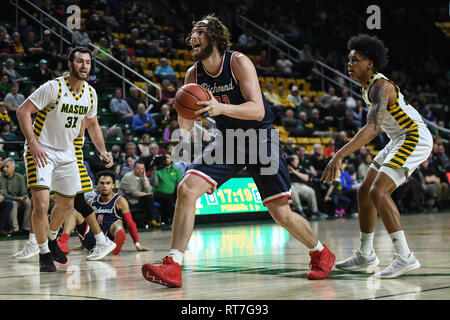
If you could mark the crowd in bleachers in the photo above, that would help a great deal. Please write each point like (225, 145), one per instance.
(313, 124)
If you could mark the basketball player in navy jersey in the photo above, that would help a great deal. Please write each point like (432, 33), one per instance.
(236, 103)
(110, 209)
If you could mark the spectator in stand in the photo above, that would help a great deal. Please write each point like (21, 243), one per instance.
(293, 125)
(318, 122)
(330, 150)
(120, 108)
(364, 166)
(131, 150)
(341, 140)
(143, 121)
(349, 186)
(336, 111)
(284, 99)
(183, 161)
(17, 49)
(263, 66)
(55, 59)
(168, 130)
(349, 101)
(9, 70)
(301, 190)
(295, 98)
(24, 28)
(5, 86)
(136, 66)
(271, 96)
(9, 136)
(165, 181)
(117, 51)
(283, 64)
(168, 91)
(144, 145)
(246, 42)
(164, 71)
(135, 187)
(310, 129)
(80, 37)
(14, 99)
(115, 152)
(134, 99)
(348, 124)
(47, 43)
(6, 207)
(427, 113)
(15, 190)
(317, 160)
(5, 45)
(137, 44)
(360, 114)
(127, 166)
(435, 186)
(42, 74)
(306, 61)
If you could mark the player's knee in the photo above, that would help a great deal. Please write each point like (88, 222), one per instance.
(363, 190)
(187, 190)
(377, 194)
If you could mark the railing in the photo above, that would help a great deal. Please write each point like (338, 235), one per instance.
(276, 43)
(62, 38)
(435, 129)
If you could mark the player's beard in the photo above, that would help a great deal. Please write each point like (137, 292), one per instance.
(77, 74)
(204, 53)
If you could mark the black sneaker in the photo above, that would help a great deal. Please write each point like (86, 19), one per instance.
(319, 215)
(46, 262)
(57, 254)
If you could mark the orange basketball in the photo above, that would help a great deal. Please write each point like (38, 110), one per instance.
(186, 100)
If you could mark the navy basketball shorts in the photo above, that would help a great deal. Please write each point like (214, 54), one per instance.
(105, 222)
(271, 176)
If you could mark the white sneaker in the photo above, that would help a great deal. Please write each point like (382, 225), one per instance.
(358, 260)
(101, 250)
(399, 266)
(28, 251)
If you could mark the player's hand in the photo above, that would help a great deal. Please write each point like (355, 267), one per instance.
(331, 171)
(141, 248)
(213, 107)
(39, 155)
(107, 157)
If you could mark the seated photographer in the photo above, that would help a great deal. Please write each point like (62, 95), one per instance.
(300, 189)
(136, 188)
(165, 178)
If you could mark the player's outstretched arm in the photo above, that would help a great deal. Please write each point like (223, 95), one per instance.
(381, 93)
(122, 205)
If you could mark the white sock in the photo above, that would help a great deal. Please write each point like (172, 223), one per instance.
(52, 234)
(366, 244)
(32, 238)
(43, 247)
(177, 256)
(100, 238)
(318, 246)
(400, 245)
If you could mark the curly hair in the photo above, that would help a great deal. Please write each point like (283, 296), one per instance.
(371, 47)
(216, 32)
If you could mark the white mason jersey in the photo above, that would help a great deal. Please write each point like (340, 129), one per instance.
(61, 112)
(402, 118)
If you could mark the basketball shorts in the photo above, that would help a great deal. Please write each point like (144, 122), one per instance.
(106, 221)
(271, 177)
(402, 155)
(61, 174)
(86, 183)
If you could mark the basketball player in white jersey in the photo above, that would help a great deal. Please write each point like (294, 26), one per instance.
(410, 144)
(61, 105)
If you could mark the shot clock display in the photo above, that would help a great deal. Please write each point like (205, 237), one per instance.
(235, 195)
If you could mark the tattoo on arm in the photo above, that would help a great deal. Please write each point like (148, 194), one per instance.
(378, 108)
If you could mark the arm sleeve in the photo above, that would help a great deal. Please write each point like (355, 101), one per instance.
(45, 95)
(131, 226)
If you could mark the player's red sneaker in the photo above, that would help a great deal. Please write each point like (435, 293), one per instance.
(321, 264)
(119, 238)
(166, 274)
(62, 243)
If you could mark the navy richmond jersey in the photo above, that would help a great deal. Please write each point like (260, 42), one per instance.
(106, 210)
(225, 88)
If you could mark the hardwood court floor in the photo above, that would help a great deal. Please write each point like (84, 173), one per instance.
(252, 260)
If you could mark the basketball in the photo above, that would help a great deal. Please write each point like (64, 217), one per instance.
(186, 100)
